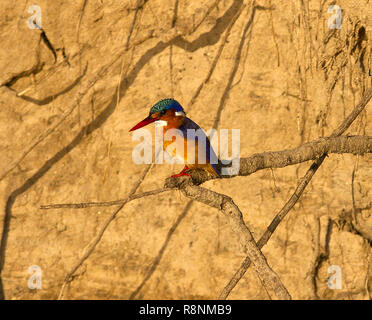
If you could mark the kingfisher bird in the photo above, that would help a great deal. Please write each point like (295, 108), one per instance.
(170, 114)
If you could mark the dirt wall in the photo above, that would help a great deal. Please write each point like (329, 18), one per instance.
(69, 93)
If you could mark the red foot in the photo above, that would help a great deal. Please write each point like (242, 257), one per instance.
(182, 173)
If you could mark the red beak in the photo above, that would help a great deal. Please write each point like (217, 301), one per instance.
(143, 123)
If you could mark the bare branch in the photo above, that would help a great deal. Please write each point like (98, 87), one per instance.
(227, 206)
(279, 159)
(296, 195)
(306, 152)
(105, 203)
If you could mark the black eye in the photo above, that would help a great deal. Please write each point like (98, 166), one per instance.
(163, 112)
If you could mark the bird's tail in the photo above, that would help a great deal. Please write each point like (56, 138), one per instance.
(216, 169)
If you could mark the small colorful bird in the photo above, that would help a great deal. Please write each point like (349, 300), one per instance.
(171, 115)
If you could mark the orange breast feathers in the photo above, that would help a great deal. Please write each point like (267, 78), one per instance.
(174, 122)
(178, 147)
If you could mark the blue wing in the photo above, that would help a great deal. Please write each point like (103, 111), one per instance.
(210, 154)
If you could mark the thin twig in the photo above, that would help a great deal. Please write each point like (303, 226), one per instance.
(92, 245)
(105, 203)
(156, 262)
